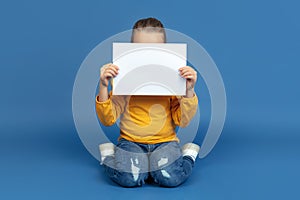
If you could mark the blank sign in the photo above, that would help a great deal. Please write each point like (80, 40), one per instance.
(149, 68)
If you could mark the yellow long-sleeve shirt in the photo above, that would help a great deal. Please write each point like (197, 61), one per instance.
(147, 119)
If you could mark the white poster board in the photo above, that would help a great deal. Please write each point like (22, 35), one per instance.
(149, 68)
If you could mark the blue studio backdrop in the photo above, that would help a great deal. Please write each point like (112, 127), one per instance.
(255, 45)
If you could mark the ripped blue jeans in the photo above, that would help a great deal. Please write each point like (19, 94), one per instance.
(134, 163)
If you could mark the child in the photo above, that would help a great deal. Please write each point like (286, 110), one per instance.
(148, 147)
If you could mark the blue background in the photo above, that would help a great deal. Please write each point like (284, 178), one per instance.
(254, 43)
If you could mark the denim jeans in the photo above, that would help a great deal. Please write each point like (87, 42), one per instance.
(134, 163)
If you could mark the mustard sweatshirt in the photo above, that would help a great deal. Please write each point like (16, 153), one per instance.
(147, 119)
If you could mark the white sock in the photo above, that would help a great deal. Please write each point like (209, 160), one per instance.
(190, 149)
(106, 149)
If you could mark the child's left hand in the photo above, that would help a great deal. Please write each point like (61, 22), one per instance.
(190, 75)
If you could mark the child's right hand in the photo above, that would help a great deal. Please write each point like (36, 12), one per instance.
(107, 72)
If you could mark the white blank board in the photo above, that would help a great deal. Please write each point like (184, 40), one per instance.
(149, 68)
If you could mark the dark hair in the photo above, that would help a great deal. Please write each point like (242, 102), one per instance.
(148, 24)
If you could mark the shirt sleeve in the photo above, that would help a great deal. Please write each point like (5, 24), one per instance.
(183, 110)
(110, 110)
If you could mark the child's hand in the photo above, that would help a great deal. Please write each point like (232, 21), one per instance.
(107, 72)
(190, 75)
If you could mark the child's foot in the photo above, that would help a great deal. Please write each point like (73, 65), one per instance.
(106, 149)
(191, 150)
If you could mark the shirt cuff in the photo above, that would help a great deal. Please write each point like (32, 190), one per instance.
(194, 98)
(102, 102)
